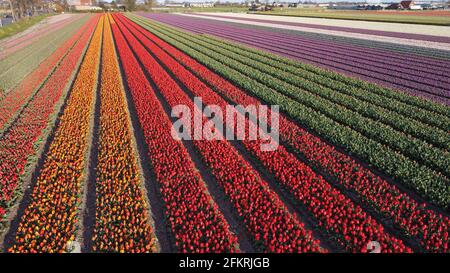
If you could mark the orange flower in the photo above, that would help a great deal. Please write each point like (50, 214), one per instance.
(58, 190)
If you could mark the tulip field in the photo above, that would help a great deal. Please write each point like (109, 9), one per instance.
(88, 156)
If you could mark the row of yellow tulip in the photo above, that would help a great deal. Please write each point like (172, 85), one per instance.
(122, 219)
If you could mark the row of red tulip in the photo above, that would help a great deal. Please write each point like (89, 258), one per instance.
(122, 220)
(329, 122)
(414, 219)
(267, 220)
(193, 218)
(336, 214)
(51, 219)
(18, 145)
(15, 99)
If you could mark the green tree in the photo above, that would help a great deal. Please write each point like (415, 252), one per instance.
(114, 5)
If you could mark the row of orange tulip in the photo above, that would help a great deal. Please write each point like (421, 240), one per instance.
(19, 95)
(419, 221)
(269, 224)
(340, 218)
(51, 219)
(194, 220)
(122, 219)
(19, 144)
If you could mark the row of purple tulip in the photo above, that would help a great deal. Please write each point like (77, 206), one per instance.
(422, 37)
(419, 79)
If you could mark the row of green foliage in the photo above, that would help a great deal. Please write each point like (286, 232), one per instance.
(19, 64)
(20, 25)
(310, 114)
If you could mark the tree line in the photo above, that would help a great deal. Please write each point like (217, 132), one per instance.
(24, 8)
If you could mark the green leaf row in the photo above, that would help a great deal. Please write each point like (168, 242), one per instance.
(416, 149)
(318, 85)
(24, 61)
(421, 179)
(367, 86)
(394, 105)
(331, 75)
